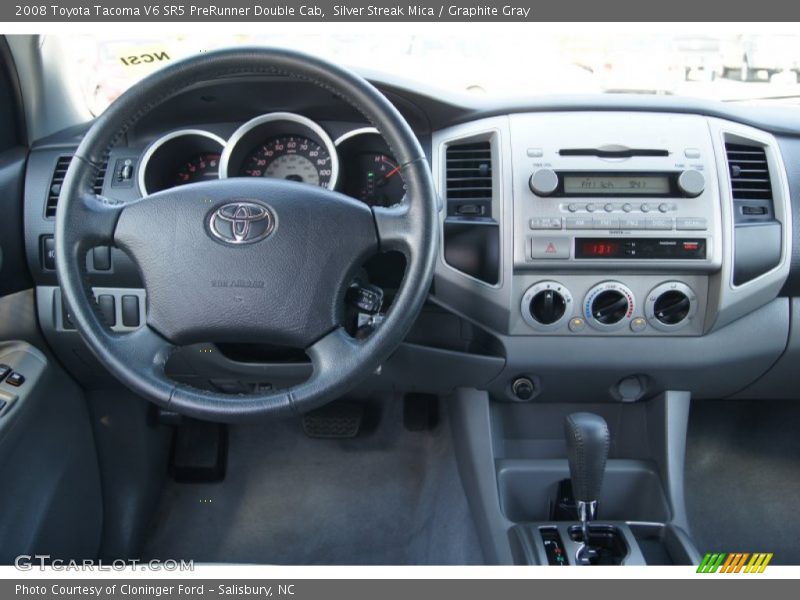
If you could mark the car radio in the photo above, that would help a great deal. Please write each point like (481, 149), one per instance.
(614, 191)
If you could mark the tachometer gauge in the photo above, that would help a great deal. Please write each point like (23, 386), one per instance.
(291, 157)
(179, 157)
(202, 167)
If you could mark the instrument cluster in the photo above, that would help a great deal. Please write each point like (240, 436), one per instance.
(280, 145)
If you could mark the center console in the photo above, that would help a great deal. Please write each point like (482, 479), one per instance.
(615, 243)
(613, 257)
(632, 195)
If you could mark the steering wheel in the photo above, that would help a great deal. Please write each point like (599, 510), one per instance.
(245, 259)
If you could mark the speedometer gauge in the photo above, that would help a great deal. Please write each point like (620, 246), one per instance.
(291, 157)
(281, 145)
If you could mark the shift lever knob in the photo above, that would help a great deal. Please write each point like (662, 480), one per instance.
(587, 450)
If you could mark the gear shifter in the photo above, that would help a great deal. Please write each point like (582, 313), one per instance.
(587, 450)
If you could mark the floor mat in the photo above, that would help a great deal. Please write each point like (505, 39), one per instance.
(743, 477)
(387, 497)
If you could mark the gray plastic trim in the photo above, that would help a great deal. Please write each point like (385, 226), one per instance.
(728, 302)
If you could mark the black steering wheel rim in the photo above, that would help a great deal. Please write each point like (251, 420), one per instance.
(85, 220)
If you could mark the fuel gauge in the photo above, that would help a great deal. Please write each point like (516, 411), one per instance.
(380, 183)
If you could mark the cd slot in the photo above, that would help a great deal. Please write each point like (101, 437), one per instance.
(613, 152)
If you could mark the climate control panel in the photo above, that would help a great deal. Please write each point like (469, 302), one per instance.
(641, 305)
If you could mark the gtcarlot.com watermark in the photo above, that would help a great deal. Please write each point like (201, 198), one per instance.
(27, 562)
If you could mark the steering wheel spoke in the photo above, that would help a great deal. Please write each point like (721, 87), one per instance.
(394, 226)
(328, 353)
(93, 219)
(146, 350)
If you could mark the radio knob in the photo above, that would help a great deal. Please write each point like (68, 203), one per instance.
(692, 182)
(543, 182)
(548, 306)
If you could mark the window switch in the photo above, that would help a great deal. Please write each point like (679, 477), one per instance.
(107, 308)
(130, 311)
(15, 379)
(4, 370)
(101, 258)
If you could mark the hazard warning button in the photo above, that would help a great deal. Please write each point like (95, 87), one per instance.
(550, 247)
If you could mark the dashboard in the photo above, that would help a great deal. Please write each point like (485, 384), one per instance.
(591, 249)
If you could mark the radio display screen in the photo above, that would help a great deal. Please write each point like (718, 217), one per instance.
(614, 185)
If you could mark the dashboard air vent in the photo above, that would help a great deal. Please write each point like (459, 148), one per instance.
(60, 171)
(749, 172)
(469, 179)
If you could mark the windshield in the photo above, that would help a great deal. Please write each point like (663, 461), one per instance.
(732, 67)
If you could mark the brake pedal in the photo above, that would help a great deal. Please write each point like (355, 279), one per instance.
(340, 420)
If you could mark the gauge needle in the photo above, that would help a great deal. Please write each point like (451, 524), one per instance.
(385, 179)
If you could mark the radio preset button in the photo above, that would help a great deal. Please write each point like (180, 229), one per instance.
(645, 208)
(550, 247)
(664, 208)
(609, 208)
(692, 224)
(572, 208)
(591, 208)
(627, 207)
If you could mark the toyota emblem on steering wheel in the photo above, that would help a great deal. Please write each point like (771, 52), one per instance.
(241, 222)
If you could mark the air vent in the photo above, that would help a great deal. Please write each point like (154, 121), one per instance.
(749, 172)
(60, 171)
(469, 179)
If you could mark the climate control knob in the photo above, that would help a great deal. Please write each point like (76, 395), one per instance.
(608, 306)
(546, 305)
(671, 306)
